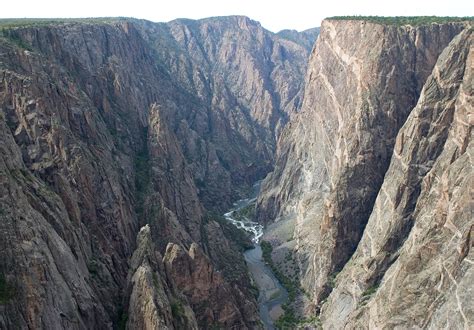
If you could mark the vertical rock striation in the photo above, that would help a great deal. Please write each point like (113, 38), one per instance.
(364, 78)
(413, 264)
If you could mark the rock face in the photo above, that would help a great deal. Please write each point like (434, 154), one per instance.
(408, 229)
(247, 85)
(418, 238)
(116, 125)
(153, 304)
(196, 278)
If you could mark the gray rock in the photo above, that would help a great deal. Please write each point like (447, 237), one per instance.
(358, 118)
(110, 125)
(416, 240)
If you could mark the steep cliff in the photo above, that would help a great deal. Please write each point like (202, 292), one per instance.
(102, 134)
(84, 216)
(418, 238)
(364, 79)
(248, 82)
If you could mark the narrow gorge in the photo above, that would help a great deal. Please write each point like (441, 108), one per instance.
(211, 174)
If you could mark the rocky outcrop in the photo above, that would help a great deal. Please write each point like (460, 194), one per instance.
(364, 79)
(305, 38)
(206, 290)
(153, 304)
(102, 133)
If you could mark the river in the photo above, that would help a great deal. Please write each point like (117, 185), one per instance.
(272, 295)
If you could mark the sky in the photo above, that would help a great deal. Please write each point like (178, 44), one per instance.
(274, 15)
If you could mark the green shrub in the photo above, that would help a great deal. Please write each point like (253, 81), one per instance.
(370, 291)
(288, 320)
(177, 310)
(123, 318)
(292, 287)
(7, 291)
(245, 213)
(254, 290)
(15, 39)
(405, 20)
(93, 267)
(267, 250)
(332, 280)
(9, 23)
(155, 279)
(274, 295)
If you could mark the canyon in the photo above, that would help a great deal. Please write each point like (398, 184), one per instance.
(125, 143)
(122, 143)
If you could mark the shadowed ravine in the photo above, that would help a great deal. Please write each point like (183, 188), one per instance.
(272, 295)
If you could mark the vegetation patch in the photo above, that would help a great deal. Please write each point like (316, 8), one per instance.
(288, 320)
(370, 291)
(332, 280)
(227, 260)
(8, 23)
(93, 267)
(291, 286)
(200, 184)
(404, 20)
(156, 282)
(142, 175)
(274, 295)
(177, 310)
(123, 318)
(7, 291)
(14, 39)
(246, 213)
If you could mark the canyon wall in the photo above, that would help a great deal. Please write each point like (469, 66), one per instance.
(249, 83)
(413, 264)
(112, 125)
(374, 174)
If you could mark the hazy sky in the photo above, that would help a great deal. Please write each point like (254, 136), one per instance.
(274, 15)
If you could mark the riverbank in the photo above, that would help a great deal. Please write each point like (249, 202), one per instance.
(272, 295)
